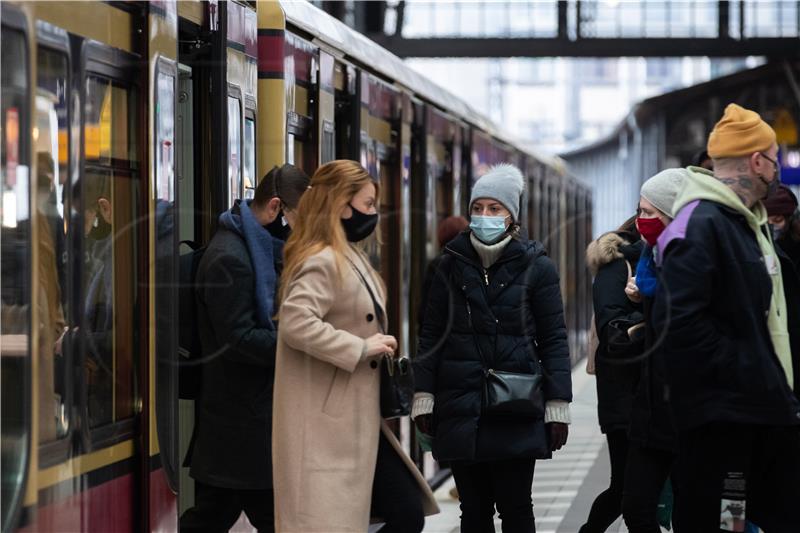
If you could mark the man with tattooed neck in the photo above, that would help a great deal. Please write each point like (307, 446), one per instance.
(726, 352)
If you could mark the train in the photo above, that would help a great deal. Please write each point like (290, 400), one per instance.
(127, 127)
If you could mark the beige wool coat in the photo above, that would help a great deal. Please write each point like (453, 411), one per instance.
(326, 413)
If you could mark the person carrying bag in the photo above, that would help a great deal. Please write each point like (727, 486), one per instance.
(492, 370)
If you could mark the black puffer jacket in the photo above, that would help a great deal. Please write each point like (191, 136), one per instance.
(617, 378)
(514, 312)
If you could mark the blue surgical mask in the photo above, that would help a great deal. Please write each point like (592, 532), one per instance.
(488, 229)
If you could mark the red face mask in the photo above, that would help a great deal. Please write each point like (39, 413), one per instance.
(650, 229)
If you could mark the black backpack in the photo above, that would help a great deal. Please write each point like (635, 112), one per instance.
(190, 352)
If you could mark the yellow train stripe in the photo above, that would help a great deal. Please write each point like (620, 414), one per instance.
(80, 465)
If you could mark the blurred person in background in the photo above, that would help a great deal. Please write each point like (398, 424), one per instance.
(785, 219)
(448, 229)
(702, 160)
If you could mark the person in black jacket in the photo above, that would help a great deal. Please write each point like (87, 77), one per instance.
(651, 436)
(494, 305)
(784, 216)
(785, 220)
(611, 259)
(448, 229)
(722, 312)
(237, 280)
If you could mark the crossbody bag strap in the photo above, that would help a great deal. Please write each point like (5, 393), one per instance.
(379, 313)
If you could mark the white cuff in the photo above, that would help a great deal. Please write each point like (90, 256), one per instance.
(423, 404)
(556, 411)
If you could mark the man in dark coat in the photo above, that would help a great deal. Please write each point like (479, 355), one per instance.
(237, 281)
(726, 355)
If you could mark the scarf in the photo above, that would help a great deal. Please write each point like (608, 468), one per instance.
(262, 249)
(646, 277)
(489, 253)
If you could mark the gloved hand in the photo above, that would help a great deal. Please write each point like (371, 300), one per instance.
(558, 435)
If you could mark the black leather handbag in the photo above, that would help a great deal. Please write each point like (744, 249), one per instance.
(397, 378)
(509, 394)
(397, 387)
(626, 336)
(513, 394)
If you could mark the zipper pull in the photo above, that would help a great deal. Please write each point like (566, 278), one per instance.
(486, 277)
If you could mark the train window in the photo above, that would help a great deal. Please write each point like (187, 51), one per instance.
(328, 142)
(250, 180)
(52, 157)
(15, 271)
(109, 196)
(234, 143)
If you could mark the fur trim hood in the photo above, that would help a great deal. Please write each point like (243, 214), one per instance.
(604, 250)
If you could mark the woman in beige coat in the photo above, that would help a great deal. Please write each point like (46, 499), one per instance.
(335, 462)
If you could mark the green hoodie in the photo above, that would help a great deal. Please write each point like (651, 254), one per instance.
(702, 185)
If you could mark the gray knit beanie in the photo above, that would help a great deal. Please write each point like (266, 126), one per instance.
(662, 189)
(503, 183)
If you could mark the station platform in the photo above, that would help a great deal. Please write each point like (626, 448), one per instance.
(563, 487)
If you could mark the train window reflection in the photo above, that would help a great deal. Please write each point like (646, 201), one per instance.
(107, 130)
(110, 207)
(51, 149)
(234, 155)
(249, 157)
(15, 290)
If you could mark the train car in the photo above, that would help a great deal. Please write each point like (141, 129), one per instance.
(88, 93)
(127, 127)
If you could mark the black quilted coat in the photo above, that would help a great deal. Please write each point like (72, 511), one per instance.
(514, 312)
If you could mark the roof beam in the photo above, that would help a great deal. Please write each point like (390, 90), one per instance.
(616, 47)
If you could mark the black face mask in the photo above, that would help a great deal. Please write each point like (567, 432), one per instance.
(359, 226)
(278, 229)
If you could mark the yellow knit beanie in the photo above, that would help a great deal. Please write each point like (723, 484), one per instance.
(739, 133)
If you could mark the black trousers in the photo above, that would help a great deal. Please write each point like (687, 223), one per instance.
(646, 472)
(216, 509)
(396, 498)
(506, 484)
(608, 505)
(726, 468)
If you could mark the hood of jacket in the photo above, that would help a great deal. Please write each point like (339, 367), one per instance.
(702, 185)
(611, 246)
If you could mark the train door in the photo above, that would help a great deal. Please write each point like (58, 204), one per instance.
(184, 159)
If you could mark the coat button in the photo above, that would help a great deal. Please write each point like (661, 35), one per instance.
(373, 364)
(370, 317)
